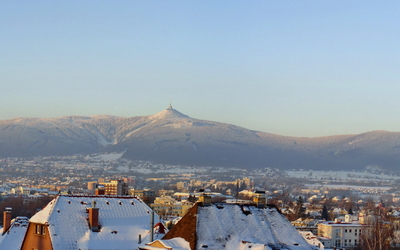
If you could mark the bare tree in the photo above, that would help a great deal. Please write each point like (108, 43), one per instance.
(377, 235)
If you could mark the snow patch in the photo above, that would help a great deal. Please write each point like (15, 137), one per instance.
(137, 129)
(169, 114)
(110, 157)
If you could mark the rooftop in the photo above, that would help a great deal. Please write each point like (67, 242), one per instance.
(221, 225)
(122, 220)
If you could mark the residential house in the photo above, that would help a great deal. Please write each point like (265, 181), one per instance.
(91, 222)
(312, 239)
(13, 231)
(219, 226)
(172, 244)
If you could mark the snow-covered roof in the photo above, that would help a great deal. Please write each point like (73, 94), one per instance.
(222, 225)
(342, 224)
(12, 239)
(122, 220)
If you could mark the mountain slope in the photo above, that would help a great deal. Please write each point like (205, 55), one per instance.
(175, 138)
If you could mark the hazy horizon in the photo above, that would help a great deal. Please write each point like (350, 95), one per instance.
(306, 68)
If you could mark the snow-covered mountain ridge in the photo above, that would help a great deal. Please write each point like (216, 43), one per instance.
(172, 137)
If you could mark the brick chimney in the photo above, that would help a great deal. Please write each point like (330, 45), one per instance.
(94, 217)
(6, 219)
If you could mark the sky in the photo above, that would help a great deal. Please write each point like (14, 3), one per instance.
(295, 68)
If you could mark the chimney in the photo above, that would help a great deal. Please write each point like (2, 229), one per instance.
(7, 219)
(152, 226)
(94, 217)
(260, 199)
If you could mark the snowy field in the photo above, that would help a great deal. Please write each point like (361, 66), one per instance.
(340, 175)
(353, 187)
(168, 171)
(109, 157)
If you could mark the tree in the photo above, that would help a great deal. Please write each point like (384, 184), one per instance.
(299, 209)
(24, 207)
(377, 235)
(325, 214)
(192, 198)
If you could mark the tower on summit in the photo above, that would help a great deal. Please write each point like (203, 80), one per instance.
(170, 106)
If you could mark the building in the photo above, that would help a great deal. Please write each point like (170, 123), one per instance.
(219, 226)
(340, 234)
(172, 244)
(170, 206)
(25, 191)
(115, 187)
(143, 193)
(247, 182)
(312, 239)
(13, 231)
(91, 222)
(91, 185)
(181, 185)
(129, 181)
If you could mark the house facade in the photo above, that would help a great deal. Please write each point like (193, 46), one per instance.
(340, 234)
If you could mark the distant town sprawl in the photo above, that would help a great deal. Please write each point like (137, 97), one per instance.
(318, 203)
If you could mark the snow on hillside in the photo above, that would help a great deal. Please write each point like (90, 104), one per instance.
(169, 114)
(174, 138)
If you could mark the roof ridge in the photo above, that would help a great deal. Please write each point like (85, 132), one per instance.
(103, 196)
(56, 199)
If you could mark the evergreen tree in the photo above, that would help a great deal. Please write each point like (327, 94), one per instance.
(324, 213)
(299, 209)
(350, 211)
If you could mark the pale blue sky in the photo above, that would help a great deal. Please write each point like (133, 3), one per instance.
(301, 68)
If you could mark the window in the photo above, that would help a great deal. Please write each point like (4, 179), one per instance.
(349, 230)
(40, 229)
(345, 230)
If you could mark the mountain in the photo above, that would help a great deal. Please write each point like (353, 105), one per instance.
(174, 138)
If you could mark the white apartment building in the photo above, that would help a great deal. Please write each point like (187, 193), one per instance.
(340, 234)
